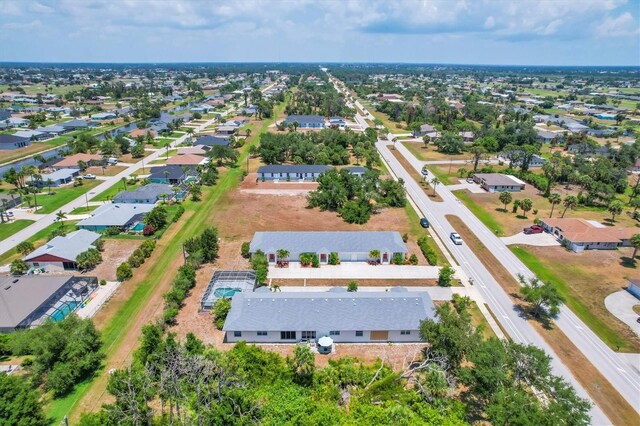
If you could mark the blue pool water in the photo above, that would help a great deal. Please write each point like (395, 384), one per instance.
(139, 227)
(226, 292)
(61, 313)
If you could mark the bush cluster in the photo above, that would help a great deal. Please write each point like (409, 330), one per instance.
(427, 251)
(184, 281)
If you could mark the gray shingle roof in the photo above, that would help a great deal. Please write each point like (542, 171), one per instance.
(326, 311)
(151, 191)
(293, 168)
(175, 172)
(68, 247)
(209, 140)
(316, 242)
(11, 139)
(302, 119)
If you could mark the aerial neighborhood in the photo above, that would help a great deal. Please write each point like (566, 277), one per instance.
(306, 243)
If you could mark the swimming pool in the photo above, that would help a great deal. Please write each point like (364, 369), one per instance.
(227, 292)
(63, 311)
(139, 227)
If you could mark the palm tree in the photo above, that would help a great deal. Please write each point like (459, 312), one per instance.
(61, 216)
(635, 242)
(248, 133)
(49, 183)
(434, 182)
(554, 199)
(570, 202)
(124, 182)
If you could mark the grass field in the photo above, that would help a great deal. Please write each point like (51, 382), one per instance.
(485, 217)
(190, 225)
(10, 228)
(548, 272)
(62, 196)
(83, 210)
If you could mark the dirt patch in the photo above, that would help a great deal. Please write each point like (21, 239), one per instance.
(431, 153)
(107, 171)
(115, 252)
(596, 385)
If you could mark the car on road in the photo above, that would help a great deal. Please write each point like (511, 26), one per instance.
(89, 176)
(457, 240)
(424, 222)
(424, 171)
(533, 229)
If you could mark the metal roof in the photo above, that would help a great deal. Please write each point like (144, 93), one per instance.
(151, 191)
(302, 119)
(68, 247)
(12, 139)
(327, 311)
(340, 241)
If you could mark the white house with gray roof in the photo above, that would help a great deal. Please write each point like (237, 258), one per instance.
(346, 317)
(353, 246)
(147, 194)
(291, 171)
(60, 253)
(121, 216)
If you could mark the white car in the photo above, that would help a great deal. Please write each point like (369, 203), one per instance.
(89, 176)
(456, 238)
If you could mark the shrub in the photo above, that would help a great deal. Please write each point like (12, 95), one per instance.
(112, 230)
(124, 272)
(244, 250)
(18, 267)
(136, 259)
(352, 286)
(103, 282)
(413, 259)
(427, 251)
(315, 261)
(147, 247)
(25, 247)
(179, 212)
(148, 230)
(220, 310)
(334, 259)
(397, 259)
(99, 244)
(405, 237)
(445, 275)
(306, 259)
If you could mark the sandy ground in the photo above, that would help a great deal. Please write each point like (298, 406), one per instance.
(115, 252)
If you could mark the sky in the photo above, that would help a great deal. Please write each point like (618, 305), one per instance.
(500, 32)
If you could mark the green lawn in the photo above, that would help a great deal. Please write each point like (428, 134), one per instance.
(114, 331)
(546, 274)
(114, 189)
(443, 177)
(38, 239)
(484, 216)
(418, 231)
(10, 228)
(415, 149)
(83, 210)
(62, 196)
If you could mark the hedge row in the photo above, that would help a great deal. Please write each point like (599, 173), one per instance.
(137, 258)
(428, 252)
(184, 281)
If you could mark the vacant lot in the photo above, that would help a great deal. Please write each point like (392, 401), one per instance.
(431, 153)
(487, 205)
(7, 229)
(107, 171)
(115, 252)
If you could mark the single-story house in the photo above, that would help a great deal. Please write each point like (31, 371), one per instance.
(60, 253)
(104, 116)
(57, 177)
(71, 161)
(77, 124)
(227, 130)
(187, 160)
(172, 174)
(467, 136)
(497, 182)
(142, 132)
(13, 142)
(53, 130)
(32, 135)
(147, 194)
(338, 122)
(423, 130)
(210, 140)
(345, 317)
(579, 234)
(353, 246)
(634, 287)
(291, 171)
(121, 216)
(547, 136)
(30, 300)
(356, 170)
(534, 161)
(306, 121)
(192, 150)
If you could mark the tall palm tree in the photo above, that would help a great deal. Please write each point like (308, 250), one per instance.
(61, 216)
(434, 182)
(554, 199)
(124, 182)
(635, 242)
(570, 202)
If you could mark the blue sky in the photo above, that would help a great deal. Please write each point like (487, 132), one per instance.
(520, 32)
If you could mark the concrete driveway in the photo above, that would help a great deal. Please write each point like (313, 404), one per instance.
(355, 270)
(543, 239)
(621, 304)
(473, 187)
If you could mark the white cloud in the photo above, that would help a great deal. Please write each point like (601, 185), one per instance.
(621, 26)
(489, 23)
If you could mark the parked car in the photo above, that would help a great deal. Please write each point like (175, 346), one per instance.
(424, 222)
(457, 240)
(89, 176)
(533, 229)
(469, 180)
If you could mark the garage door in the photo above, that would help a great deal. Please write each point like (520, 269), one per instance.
(380, 335)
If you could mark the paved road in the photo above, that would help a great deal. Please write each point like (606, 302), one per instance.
(499, 302)
(48, 219)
